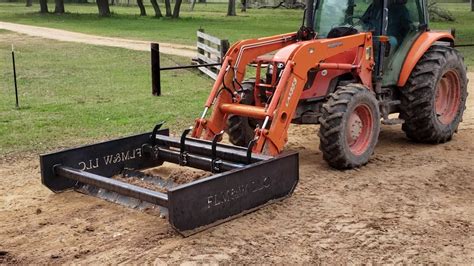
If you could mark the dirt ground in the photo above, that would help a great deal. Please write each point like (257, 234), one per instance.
(412, 203)
(69, 36)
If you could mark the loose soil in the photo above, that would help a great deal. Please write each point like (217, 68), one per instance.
(170, 175)
(178, 175)
(413, 203)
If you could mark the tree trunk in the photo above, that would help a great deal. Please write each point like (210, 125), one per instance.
(29, 2)
(142, 7)
(231, 8)
(157, 9)
(43, 6)
(439, 14)
(290, 3)
(177, 7)
(168, 8)
(59, 7)
(103, 6)
(193, 3)
(244, 6)
(472, 5)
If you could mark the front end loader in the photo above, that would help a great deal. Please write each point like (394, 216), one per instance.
(352, 64)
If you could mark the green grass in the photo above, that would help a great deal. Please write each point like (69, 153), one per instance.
(126, 23)
(73, 93)
(464, 26)
(453, 1)
(255, 23)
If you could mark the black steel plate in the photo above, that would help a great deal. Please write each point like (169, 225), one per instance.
(106, 159)
(218, 198)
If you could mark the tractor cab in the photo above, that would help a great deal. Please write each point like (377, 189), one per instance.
(402, 21)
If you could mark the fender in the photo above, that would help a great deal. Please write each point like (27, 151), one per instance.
(418, 49)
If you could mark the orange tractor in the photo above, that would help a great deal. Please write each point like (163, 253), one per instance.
(348, 69)
(351, 65)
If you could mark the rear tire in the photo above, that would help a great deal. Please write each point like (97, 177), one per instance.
(434, 98)
(350, 126)
(241, 130)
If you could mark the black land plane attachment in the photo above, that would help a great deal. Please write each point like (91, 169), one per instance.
(241, 182)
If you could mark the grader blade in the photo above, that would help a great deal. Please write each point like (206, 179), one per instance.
(241, 182)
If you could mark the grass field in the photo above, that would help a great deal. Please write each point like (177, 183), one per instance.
(73, 93)
(255, 23)
(126, 23)
(464, 26)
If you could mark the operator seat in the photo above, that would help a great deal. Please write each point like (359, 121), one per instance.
(398, 20)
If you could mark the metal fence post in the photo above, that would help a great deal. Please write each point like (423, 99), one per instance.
(155, 69)
(14, 78)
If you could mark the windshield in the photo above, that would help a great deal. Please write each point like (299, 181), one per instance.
(334, 13)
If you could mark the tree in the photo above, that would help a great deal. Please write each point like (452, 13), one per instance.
(59, 6)
(29, 2)
(103, 6)
(231, 8)
(439, 14)
(157, 9)
(472, 5)
(43, 6)
(168, 8)
(142, 7)
(193, 3)
(177, 7)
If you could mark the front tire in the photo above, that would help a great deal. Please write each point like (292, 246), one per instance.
(434, 98)
(350, 126)
(241, 129)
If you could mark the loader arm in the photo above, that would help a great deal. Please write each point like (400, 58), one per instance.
(298, 58)
(230, 76)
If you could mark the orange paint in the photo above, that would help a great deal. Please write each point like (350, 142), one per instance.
(322, 81)
(233, 67)
(298, 59)
(306, 56)
(418, 49)
(243, 110)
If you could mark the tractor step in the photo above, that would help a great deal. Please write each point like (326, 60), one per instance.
(241, 182)
(392, 121)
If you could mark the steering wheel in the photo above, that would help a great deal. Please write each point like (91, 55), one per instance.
(341, 31)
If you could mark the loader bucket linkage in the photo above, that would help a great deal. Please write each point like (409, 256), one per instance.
(241, 181)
